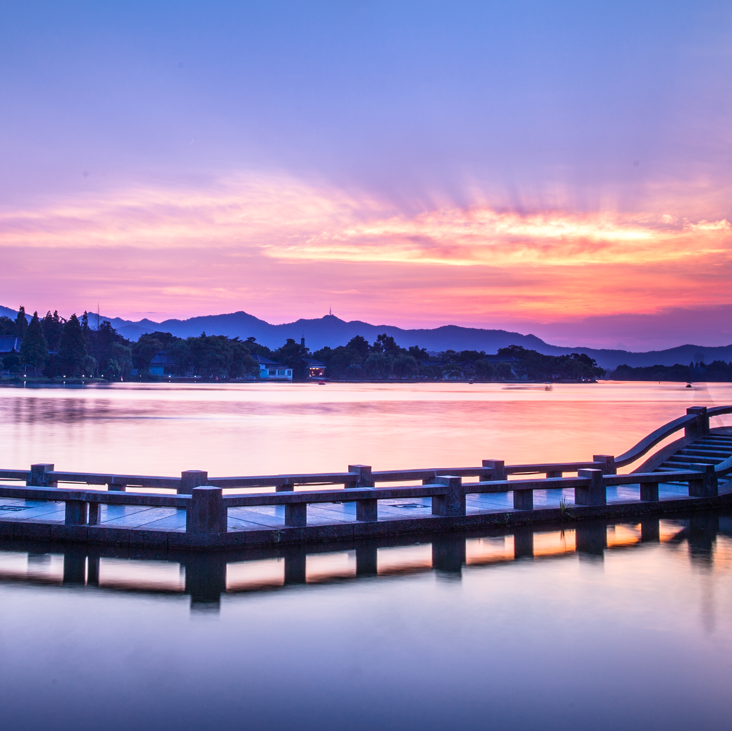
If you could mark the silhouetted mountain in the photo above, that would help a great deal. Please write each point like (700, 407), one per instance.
(333, 331)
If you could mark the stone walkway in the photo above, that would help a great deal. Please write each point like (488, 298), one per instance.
(257, 518)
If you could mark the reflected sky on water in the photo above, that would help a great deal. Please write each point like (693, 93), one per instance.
(277, 428)
(618, 626)
(604, 626)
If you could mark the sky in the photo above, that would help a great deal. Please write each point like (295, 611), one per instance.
(560, 168)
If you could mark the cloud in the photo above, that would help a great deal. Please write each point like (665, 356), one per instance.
(282, 248)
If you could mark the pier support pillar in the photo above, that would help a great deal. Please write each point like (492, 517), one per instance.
(703, 529)
(205, 579)
(367, 510)
(591, 538)
(94, 512)
(77, 512)
(296, 515)
(207, 513)
(523, 499)
(74, 567)
(366, 560)
(92, 571)
(523, 543)
(452, 503)
(448, 554)
(650, 530)
(295, 567)
(649, 491)
(594, 493)
(190, 479)
(39, 476)
(706, 485)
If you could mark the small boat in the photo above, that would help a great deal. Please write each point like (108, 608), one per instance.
(688, 385)
(321, 383)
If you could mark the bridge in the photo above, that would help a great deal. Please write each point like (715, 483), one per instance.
(195, 511)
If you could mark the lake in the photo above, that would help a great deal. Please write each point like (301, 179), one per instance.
(600, 626)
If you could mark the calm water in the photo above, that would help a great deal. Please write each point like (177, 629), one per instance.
(625, 625)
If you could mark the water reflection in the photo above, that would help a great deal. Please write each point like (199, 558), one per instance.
(207, 577)
(266, 428)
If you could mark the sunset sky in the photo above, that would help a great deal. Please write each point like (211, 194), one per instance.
(560, 168)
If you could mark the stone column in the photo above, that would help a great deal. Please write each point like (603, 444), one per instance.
(700, 426)
(363, 471)
(207, 513)
(706, 485)
(190, 479)
(595, 493)
(497, 469)
(452, 503)
(39, 476)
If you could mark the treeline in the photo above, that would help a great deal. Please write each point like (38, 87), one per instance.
(55, 347)
(385, 359)
(716, 372)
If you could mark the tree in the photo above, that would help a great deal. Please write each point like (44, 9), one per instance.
(293, 355)
(33, 349)
(378, 365)
(405, 366)
(359, 345)
(144, 350)
(53, 327)
(21, 323)
(485, 370)
(386, 344)
(7, 327)
(72, 348)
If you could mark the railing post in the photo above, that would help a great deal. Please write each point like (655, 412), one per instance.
(707, 484)
(497, 468)
(286, 486)
(363, 471)
(190, 479)
(607, 463)
(77, 512)
(554, 473)
(296, 515)
(39, 478)
(207, 512)
(700, 426)
(594, 493)
(523, 499)
(116, 485)
(452, 503)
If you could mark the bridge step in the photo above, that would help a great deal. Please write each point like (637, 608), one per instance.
(691, 459)
(723, 453)
(711, 449)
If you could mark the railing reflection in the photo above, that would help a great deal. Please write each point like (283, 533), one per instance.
(207, 577)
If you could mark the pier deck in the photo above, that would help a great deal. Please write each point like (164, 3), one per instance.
(692, 473)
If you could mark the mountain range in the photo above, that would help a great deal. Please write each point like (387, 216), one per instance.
(332, 331)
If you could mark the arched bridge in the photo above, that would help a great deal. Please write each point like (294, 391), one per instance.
(195, 511)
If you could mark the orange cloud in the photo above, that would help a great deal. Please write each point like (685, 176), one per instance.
(281, 249)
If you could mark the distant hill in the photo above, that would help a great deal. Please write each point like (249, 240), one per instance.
(333, 331)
